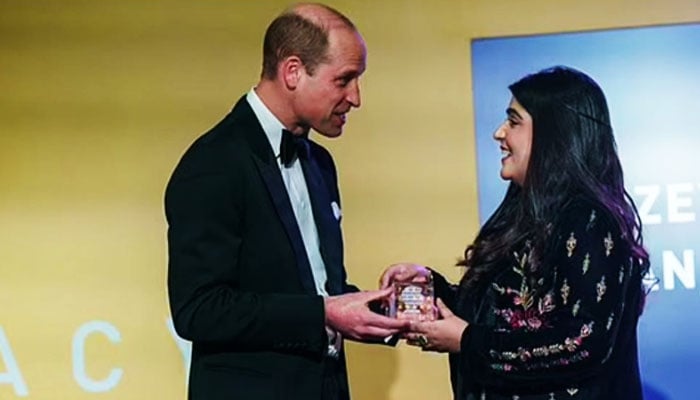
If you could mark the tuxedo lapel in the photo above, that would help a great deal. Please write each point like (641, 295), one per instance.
(278, 192)
(266, 163)
(328, 227)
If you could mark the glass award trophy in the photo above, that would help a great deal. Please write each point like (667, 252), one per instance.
(413, 301)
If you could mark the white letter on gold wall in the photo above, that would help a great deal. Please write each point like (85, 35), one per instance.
(79, 370)
(13, 376)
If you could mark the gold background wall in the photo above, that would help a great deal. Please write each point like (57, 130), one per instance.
(98, 99)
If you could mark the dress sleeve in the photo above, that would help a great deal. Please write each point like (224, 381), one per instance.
(444, 290)
(570, 331)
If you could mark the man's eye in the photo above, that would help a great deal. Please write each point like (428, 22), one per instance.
(511, 122)
(344, 80)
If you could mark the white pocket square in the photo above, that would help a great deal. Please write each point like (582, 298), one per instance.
(337, 213)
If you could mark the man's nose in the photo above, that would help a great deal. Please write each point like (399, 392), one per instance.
(353, 96)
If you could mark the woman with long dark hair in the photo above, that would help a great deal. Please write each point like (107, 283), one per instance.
(549, 302)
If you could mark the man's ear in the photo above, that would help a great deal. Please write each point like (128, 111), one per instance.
(291, 70)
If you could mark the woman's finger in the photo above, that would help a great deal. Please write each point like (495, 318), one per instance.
(444, 311)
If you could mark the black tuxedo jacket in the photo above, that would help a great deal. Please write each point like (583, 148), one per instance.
(239, 281)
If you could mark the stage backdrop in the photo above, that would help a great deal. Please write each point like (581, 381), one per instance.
(650, 76)
(98, 100)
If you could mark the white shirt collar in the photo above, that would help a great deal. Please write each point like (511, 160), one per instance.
(270, 124)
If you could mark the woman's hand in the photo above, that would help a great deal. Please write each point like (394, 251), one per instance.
(404, 272)
(442, 335)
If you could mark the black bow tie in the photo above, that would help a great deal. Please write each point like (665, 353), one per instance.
(292, 146)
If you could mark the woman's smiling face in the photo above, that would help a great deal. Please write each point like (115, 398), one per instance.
(515, 139)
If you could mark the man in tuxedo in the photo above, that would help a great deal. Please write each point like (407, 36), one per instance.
(256, 278)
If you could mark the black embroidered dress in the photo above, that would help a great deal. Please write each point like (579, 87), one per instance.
(576, 339)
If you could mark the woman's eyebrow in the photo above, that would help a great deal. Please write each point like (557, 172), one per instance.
(510, 111)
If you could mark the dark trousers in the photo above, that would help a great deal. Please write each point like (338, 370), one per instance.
(334, 384)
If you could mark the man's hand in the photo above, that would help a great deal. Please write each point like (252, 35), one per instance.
(350, 315)
(404, 272)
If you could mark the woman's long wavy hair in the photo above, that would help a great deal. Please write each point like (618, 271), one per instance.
(573, 155)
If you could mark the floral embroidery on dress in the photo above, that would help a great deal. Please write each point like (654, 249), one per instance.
(586, 330)
(575, 308)
(502, 367)
(610, 321)
(608, 244)
(586, 263)
(499, 289)
(570, 245)
(578, 357)
(523, 298)
(600, 289)
(571, 345)
(547, 311)
(530, 318)
(524, 316)
(565, 291)
(546, 304)
(591, 220)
